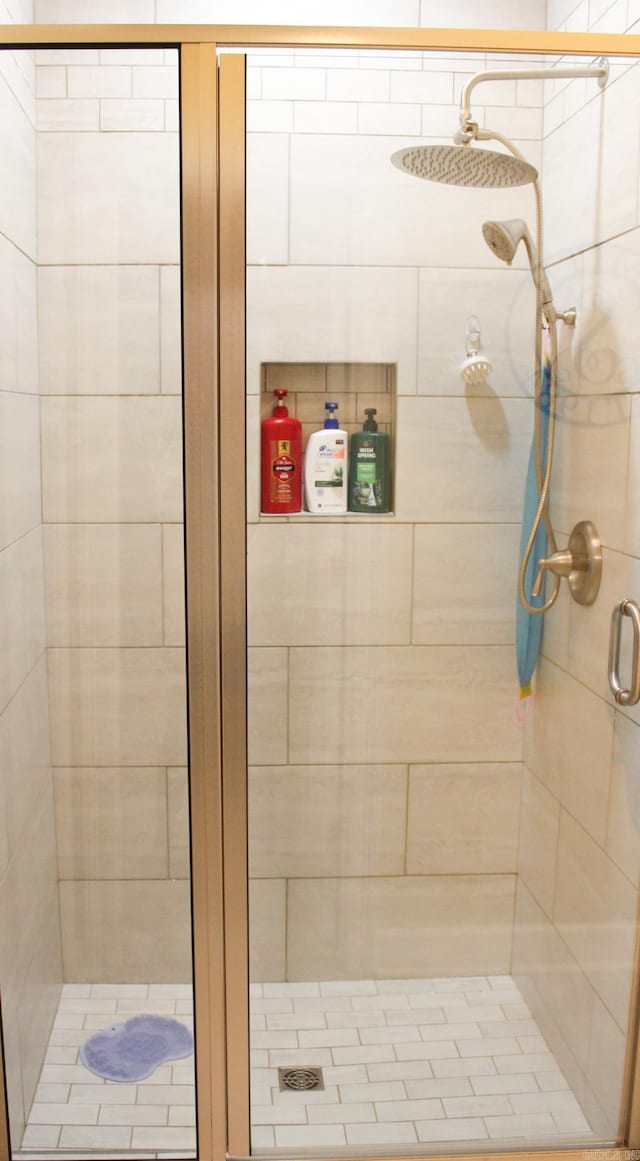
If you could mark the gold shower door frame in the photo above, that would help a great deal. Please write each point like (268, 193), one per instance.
(212, 112)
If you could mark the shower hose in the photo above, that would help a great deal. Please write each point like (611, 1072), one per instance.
(544, 313)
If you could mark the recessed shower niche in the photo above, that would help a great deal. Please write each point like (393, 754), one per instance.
(356, 388)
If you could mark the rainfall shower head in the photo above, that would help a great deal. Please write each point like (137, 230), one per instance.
(505, 237)
(464, 165)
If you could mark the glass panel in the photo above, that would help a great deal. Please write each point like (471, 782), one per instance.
(95, 969)
(443, 874)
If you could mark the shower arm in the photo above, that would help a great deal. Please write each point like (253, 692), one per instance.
(466, 133)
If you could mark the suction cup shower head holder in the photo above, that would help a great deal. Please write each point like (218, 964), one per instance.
(476, 368)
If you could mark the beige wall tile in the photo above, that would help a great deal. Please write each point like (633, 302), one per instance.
(350, 206)
(18, 321)
(605, 352)
(22, 625)
(4, 825)
(308, 381)
(463, 819)
(592, 197)
(111, 460)
(31, 888)
(538, 846)
(178, 818)
(574, 343)
(561, 999)
(33, 594)
(312, 584)
(108, 198)
(253, 458)
(503, 300)
(30, 1000)
(19, 466)
(488, 439)
(553, 985)
(324, 820)
(99, 330)
(632, 527)
(555, 632)
(268, 199)
(18, 194)
(409, 926)
(568, 746)
(30, 970)
(361, 378)
(445, 704)
(267, 930)
(117, 707)
(134, 931)
(464, 583)
(13, 624)
(623, 825)
(173, 573)
(111, 823)
(309, 406)
(39, 990)
(77, 114)
(170, 331)
(10, 967)
(24, 755)
(595, 912)
(104, 584)
(11, 1059)
(590, 464)
(605, 1070)
(325, 314)
(267, 702)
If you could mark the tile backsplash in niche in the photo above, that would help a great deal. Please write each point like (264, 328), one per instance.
(353, 386)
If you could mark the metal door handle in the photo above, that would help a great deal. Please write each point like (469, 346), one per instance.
(631, 696)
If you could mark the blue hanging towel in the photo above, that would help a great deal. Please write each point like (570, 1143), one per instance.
(529, 625)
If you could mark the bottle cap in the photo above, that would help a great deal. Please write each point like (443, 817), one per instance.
(370, 423)
(331, 420)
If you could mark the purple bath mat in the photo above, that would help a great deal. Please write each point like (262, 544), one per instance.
(133, 1050)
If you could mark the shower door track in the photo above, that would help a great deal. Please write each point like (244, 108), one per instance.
(213, 278)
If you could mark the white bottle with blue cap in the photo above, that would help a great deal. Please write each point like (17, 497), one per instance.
(326, 470)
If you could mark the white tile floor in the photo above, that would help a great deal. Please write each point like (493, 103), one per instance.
(405, 1062)
(77, 1112)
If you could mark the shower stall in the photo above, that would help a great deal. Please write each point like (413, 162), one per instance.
(271, 778)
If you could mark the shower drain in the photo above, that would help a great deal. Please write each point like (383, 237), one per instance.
(300, 1079)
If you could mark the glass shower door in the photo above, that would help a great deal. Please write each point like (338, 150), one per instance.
(443, 878)
(95, 899)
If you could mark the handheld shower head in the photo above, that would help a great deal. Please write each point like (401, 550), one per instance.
(505, 237)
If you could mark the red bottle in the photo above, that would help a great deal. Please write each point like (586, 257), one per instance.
(281, 452)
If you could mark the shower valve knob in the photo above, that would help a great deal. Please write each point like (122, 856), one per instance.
(562, 563)
(580, 563)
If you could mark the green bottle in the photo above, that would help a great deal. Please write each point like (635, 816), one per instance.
(369, 468)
